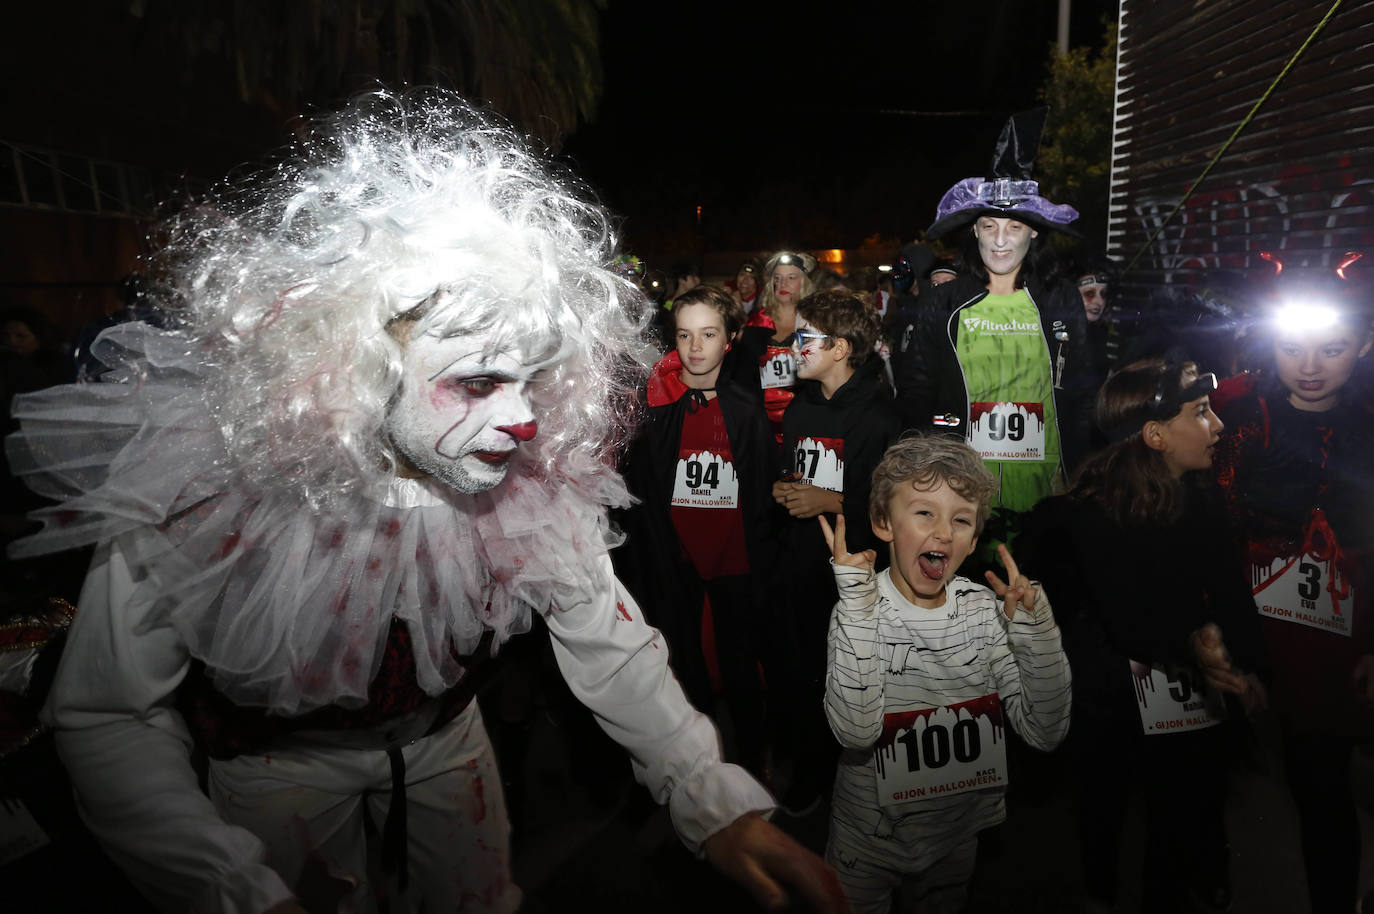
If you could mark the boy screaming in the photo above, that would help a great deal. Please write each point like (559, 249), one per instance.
(924, 669)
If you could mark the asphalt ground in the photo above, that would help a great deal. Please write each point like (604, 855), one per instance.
(587, 838)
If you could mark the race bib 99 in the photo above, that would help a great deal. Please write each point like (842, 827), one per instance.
(1007, 431)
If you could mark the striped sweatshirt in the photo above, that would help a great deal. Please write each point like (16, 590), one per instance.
(889, 661)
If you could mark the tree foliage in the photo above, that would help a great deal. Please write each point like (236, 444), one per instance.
(1076, 153)
(538, 62)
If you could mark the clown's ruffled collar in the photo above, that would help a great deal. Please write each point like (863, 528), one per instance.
(289, 607)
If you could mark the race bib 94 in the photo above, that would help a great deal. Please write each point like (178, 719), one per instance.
(705, 480)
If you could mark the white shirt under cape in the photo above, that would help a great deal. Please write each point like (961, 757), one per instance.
(289, 610)
(126, 747)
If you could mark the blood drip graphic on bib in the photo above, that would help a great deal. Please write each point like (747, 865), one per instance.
(820, 462)
(1174, 699)
(705, 480)
(938, 752)
(777, 368)
(1007, 431)
(1308, 588)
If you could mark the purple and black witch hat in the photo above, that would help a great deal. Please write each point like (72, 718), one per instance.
(1008, 192)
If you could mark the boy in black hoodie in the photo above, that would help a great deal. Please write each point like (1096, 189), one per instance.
(834, 434)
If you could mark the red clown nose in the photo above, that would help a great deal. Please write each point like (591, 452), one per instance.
(522, 432)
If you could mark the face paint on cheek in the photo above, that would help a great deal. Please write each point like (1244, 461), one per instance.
(456, 441)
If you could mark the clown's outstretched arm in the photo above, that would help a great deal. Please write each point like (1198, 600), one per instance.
(128, 754)
(617, 665)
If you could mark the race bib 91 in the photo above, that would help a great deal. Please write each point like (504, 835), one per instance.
(1174, 700)
(1301, 590)
(937, 752)
(1007, 431)
(705, 480)
(777, 369)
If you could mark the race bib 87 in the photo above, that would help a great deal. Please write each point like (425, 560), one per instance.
(820, 462)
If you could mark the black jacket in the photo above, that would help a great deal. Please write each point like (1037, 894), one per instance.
(651, 564)
(861, 414)
(1137, 593)
(930, 381)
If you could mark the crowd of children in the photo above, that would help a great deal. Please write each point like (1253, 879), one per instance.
(882, 680)
(842, 543)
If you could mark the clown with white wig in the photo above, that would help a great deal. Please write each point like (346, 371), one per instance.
(377, 438)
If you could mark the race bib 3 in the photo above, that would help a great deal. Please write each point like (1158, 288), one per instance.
(1301, 590)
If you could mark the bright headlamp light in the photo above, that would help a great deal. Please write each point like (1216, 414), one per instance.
(1303, 316)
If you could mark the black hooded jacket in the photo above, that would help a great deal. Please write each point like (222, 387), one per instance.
(861, 413)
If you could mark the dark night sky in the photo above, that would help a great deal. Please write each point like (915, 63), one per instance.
(783, 127)
(779, 124)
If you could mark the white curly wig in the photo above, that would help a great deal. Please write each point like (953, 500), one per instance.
(414, 206)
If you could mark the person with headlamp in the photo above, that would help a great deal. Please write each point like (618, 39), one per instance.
(768, 332)
(1160, 630)
(1294, 467)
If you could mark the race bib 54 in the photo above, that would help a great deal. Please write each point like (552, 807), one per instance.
(1174, 700)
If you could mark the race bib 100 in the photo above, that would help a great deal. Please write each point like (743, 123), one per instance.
(820, 462)
(777, 369)
(705, 480)
(1174, 700)
(1007, 431)
(937, 752)
(1299, 590)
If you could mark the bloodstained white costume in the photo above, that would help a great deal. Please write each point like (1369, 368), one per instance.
(267, 585)
(188, 568)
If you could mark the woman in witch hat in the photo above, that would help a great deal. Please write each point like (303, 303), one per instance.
(999, 352)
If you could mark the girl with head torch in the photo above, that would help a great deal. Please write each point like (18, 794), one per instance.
(1294, 465)
(1160, 631)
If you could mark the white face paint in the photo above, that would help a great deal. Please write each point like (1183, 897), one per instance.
(463, 410)
(1003, 243)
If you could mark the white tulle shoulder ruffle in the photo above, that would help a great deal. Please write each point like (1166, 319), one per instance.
(289, 605)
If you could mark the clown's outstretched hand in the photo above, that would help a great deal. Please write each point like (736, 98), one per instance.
(774, 868)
